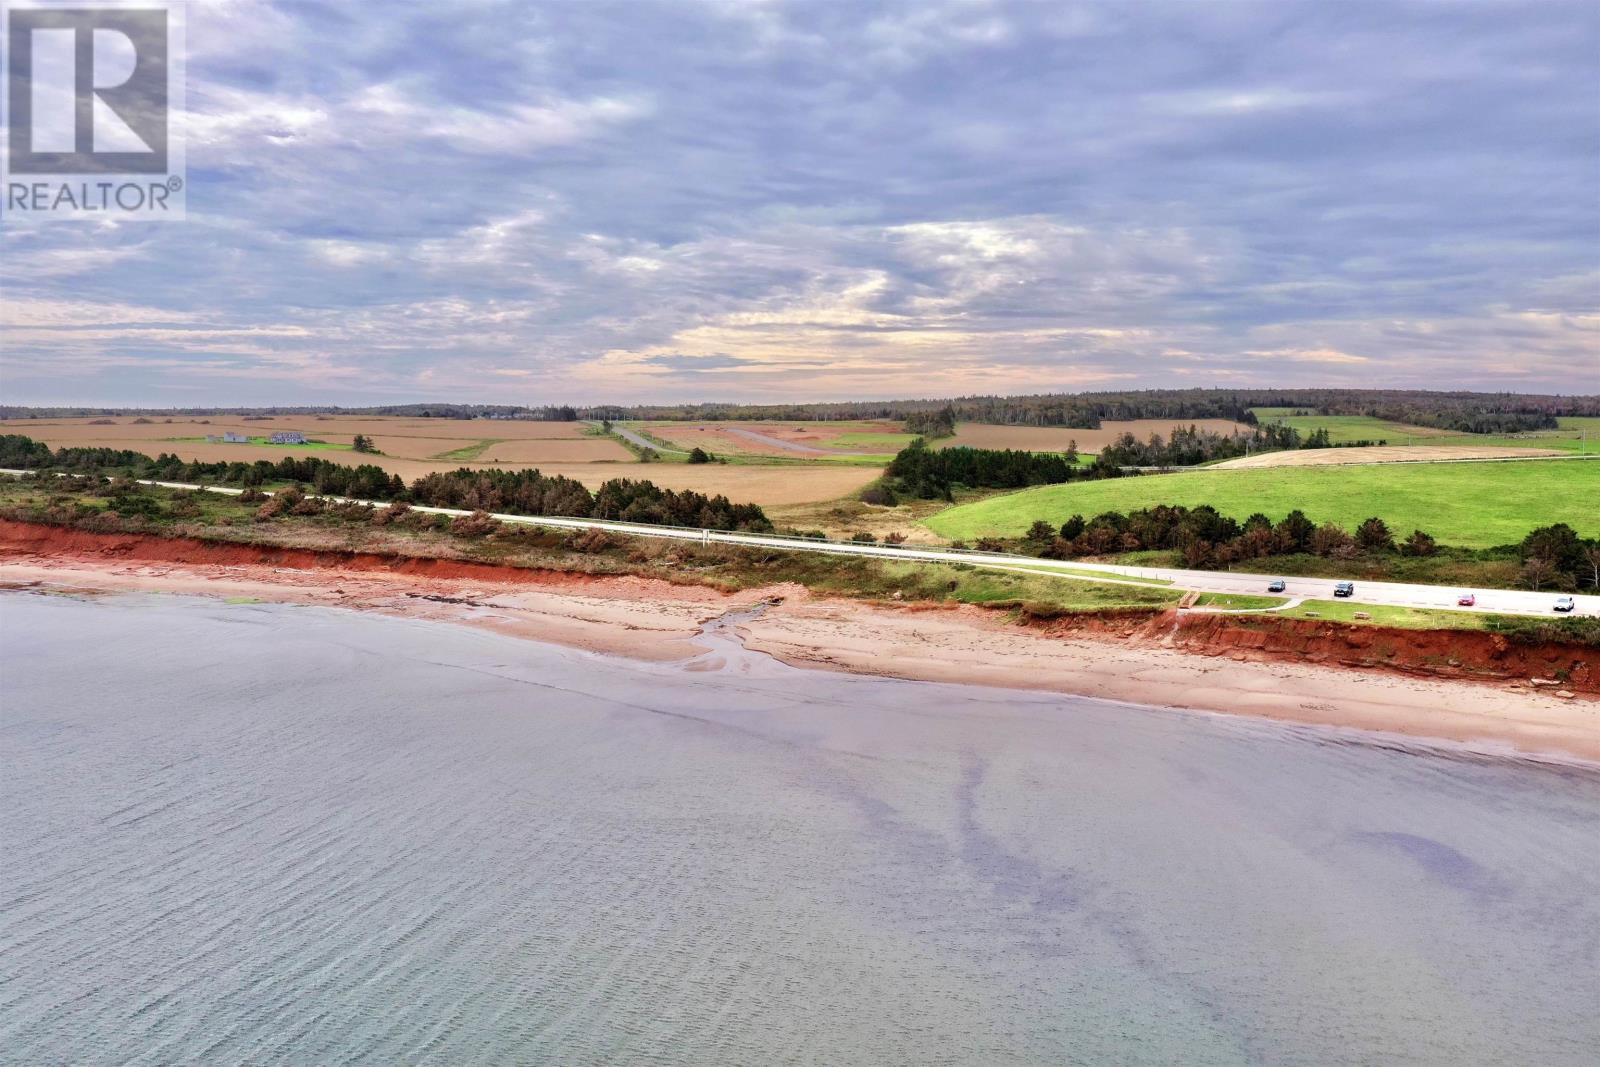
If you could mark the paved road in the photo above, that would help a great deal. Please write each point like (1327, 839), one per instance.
(1490, 601)
(640, 442)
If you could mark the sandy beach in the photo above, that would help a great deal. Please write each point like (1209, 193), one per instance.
(657, 621)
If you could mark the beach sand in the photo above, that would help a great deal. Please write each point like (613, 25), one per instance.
(653, 620)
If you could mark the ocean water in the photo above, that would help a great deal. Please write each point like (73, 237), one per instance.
(263, 834)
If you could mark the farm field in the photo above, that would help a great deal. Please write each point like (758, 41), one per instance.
(1343, 429)
(788, 440)
(315, 444)
(882, 439)
(1473, 505)
(1058, 438)
(1325, 457)
(1572, 435)
(527, 453)
(414, 447)
(405, 438)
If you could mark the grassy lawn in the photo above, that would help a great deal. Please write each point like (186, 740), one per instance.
(971, 585)
(467, 453)
(1473, 505)
(1079, 573)
(1384, 615)
(1238, 601)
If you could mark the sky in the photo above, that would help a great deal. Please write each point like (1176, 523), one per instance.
(768, 202)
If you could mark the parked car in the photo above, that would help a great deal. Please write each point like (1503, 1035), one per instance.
(1278, 585)
(1466, 600)
(1565, 603)
(1345, 589)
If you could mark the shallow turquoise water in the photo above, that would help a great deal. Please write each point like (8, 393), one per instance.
(257, 834)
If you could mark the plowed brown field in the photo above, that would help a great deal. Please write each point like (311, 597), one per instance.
(553, 447)
(715, 436)
(582, 450)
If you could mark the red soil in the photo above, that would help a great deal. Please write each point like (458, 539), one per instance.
(30, 539)
(1467, 654)
(1463, 654)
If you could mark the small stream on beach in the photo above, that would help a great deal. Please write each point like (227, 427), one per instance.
(264, 834)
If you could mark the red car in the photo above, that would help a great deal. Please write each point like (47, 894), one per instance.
(1466, 600)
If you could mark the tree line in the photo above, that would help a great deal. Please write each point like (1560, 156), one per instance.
(1550, 557)
(1456, 410)
(1556, 557)
(933, 474)
(1190, 446)
(1206, 538)
(521, 492)
(933, 424)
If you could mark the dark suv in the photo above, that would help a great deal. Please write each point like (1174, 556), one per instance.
(1345, 589)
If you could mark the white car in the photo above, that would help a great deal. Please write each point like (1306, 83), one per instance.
(1565, 603)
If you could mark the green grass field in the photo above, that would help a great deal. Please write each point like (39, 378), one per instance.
(1574, 434)
(313, 444)
(1473, 505)
(880, 442)
(669, 452)
(1343, 429)
(467, 453)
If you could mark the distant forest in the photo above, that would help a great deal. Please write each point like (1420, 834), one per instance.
(1461, 411)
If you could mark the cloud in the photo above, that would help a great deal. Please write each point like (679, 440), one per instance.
(677, 361)
(1308, 355)
(778, 201)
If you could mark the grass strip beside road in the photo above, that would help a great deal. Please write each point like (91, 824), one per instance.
(1387, 615)
(1239, 601)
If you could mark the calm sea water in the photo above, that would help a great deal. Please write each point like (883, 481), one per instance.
(253, 834)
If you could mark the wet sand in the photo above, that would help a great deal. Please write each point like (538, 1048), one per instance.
(657, 621)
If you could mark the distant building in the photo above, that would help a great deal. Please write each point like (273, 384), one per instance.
(288, 437)
(235, 438)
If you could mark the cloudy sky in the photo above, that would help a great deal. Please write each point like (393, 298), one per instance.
(521, 203)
